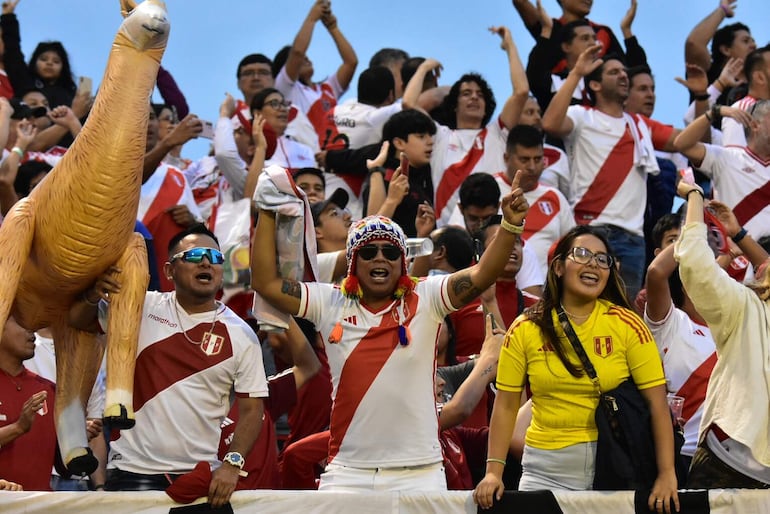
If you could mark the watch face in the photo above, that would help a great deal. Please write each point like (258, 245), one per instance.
(235, 457)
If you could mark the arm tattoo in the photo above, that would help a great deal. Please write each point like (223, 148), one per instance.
(291, 288)
(463, 287)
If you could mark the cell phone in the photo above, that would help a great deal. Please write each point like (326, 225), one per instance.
(687, 176)
(85, 85)
(487, 313)
(404, 165)
(208, 130)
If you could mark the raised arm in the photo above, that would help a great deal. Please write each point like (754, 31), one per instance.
(302, 39)
(185, 130)
(515, 103)
(258, 159)
(528, 14)
(281, 293)
(467, 284)
(225, 150)
(658, 292)
(753, 251)
(349, 58)
(555, 120)
(457, 410)
(696, 46)
(410, 99)
(688, 140)
(9, 169)
(377, 189)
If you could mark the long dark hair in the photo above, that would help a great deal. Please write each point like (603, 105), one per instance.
(65, 79)
(540, 313)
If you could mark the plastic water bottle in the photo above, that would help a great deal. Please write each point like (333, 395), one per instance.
(418, 246)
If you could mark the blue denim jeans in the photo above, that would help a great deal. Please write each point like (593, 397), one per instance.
(629, 250)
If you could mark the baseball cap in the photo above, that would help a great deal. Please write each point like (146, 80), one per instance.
(339, 198)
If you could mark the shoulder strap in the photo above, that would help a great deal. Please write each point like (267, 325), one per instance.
(581, 353)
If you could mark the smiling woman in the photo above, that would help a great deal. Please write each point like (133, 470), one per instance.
(584, 283)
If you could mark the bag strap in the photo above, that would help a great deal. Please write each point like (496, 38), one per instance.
(575, 340)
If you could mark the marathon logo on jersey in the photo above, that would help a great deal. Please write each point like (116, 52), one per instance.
(603, 346)
(43, 410)
(545, 207)
(211, 344)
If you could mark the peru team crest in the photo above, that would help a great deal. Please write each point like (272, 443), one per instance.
(603, 346)
(211, 344)
(545, 207)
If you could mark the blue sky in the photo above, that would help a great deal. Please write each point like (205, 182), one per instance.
(208, 38)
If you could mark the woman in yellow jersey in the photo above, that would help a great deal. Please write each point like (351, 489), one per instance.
(560, 447)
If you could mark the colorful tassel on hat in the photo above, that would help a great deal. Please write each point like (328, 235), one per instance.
(336, 334)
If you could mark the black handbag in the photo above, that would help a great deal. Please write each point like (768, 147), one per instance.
(625, 449)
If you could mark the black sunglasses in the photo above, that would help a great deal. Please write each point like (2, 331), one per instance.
(369, 252)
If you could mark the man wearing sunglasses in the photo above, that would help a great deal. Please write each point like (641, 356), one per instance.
(380, 327)
(193, 352)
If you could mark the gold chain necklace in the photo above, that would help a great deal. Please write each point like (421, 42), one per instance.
(207, 334)
(18, 385)
(575, 316)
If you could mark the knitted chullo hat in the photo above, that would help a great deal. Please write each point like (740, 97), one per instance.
(369, 229)
(373, 228)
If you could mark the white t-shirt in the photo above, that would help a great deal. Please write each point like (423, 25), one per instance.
(549, 218)
(327, 261)
(291, 155)
(602, 142)
(733, 133)
(737, 173)
(361, 123)
(316, 101)
(384, 411)
(688, 354)
(182, 389)
(472, 151)
(556, 172)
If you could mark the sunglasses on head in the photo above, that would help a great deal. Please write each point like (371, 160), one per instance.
(196, 255)
(369, 252)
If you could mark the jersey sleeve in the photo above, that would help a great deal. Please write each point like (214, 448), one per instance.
(660, 132)
(283, 83)
(512, 366)
(250, 377)
(661, 330)
(642, 354)
(438, 288)
(334, 83)
(313, 300)
(712, 160)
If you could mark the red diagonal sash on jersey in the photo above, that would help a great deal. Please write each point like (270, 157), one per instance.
(752, 204)
(163, 364)
(694, 389)
(607, 182)
(540, 214)
(166, 195)
(361, 369)
(454, 175)
(318, 114)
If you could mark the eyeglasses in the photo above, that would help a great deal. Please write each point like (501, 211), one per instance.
(196, 255)
(277, 104)
(256, 73)
(369, 252)
(584, 255)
